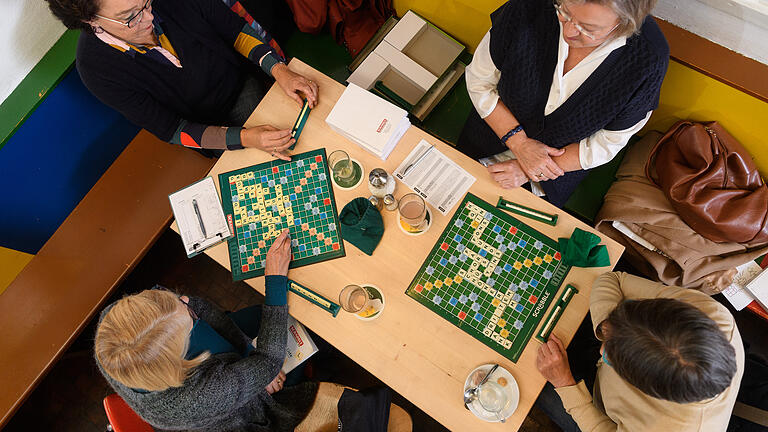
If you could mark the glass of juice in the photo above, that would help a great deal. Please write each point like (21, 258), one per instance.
(413, 212)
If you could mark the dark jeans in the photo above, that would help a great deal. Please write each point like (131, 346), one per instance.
(583, 354)
(248, 319)
(253, 91)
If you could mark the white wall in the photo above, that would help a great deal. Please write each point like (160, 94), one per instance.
(27, 31)
(739, 25)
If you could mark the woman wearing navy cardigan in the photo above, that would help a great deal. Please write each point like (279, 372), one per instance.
(180, 69)
(560, 88)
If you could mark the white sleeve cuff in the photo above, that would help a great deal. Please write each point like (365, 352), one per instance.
(602, 146)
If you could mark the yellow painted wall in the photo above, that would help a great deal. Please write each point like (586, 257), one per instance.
(465, 20)
(685, 93)
(11, 264)
(688, 94)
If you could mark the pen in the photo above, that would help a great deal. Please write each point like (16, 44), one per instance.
(416, 162)
(199, 217)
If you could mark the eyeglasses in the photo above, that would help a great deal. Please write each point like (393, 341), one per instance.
(567, 18)
(134, 20)
(192, 313)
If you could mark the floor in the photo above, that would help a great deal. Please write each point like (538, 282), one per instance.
(70, 397)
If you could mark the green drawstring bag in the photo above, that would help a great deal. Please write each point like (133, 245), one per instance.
(361, 225)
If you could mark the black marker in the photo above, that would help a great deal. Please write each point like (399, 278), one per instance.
(199, 217)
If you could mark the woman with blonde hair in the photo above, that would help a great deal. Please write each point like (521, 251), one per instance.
(180, 363)
(559, 88)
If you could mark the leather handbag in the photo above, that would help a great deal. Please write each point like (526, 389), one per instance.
(712, 182)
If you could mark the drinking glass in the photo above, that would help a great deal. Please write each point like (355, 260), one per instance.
(354, 298)
(492, 398)
(341, 166)
(413, 210)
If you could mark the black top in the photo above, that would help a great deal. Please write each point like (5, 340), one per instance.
(157, 95)
(617, 95)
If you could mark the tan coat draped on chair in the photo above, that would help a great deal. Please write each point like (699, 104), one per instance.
(687, 259)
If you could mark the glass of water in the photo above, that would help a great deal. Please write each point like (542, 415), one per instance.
(341, 166)
(354, 298)
(492, 398)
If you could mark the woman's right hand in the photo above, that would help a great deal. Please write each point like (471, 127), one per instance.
(535, 159)
(279, 256)
(269, 139)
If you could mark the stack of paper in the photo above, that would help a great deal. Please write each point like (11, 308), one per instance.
(368, 120)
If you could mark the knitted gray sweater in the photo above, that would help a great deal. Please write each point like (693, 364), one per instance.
(227, 392)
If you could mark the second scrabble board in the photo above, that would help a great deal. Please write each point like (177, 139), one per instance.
(490, 275)
(261, 200)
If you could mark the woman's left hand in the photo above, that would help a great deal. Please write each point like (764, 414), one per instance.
(277, 384)
(295, 85)
(508, 174)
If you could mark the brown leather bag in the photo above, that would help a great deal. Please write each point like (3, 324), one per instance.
(712, 182)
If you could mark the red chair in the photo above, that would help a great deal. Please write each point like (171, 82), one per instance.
(122, 418)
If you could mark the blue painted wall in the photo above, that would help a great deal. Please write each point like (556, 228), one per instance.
(54, 159)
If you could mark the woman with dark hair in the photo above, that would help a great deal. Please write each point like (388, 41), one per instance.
(560, 88)
(671, 359)
(180, 69)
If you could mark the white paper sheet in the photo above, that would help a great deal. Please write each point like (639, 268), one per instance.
(214, 228)
(438, 179)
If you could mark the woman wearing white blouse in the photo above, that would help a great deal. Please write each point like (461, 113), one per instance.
(559, 89)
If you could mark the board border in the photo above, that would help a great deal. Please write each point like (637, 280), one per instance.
(237, 273)
(559, 276)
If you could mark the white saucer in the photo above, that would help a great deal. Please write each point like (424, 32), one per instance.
(513, 392)
(359, 181)
(377, 302)
(402, 228)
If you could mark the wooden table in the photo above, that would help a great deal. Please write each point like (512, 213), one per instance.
(411, 349)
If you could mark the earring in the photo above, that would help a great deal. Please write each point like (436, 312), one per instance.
(97, 29)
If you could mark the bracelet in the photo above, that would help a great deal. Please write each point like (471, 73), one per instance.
(511, 133)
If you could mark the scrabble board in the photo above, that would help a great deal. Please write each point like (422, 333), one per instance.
(490, 275)
(261, 200)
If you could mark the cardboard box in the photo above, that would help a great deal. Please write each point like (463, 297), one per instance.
(411, 62)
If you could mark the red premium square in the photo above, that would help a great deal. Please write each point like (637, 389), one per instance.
(419, 288)
(327, 201)
(335, 246)
(245, 268)
(444, 246)
(318, 158)
(275, 170)
(533, 299)
(462, 315)
(513, 230)
(557, 256)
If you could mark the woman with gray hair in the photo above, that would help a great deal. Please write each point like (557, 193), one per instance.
(560, 88)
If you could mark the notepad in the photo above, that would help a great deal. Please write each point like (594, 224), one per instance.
(199, 216)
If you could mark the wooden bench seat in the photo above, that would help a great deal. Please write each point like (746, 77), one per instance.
(61, 290)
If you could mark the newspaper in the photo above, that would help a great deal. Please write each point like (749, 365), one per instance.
(434, 176)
